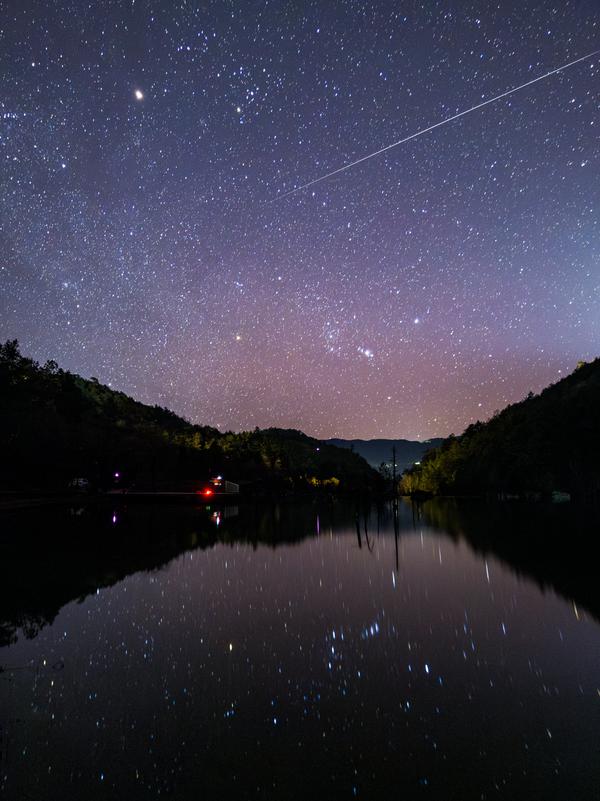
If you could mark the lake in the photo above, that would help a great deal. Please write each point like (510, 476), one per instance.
(282, 651)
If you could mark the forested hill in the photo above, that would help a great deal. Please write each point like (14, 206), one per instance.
(55, 425)
(547, 442)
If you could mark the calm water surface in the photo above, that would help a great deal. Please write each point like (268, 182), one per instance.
(284, 651)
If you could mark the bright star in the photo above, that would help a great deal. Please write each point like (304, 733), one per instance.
(139, 95)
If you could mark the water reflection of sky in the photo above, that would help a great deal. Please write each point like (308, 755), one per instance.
(313, 667)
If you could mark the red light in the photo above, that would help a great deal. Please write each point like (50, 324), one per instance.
(208, 491)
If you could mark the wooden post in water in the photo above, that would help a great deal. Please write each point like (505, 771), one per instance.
(396, 529)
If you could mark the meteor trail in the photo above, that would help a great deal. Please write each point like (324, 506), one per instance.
(436, 125)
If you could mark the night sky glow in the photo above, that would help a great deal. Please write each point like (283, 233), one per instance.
(142, 147)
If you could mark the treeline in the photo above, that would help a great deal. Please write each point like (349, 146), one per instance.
(56, 426)
(547, 442)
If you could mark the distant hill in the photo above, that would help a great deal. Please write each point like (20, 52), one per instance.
(378, 451)
(56, 426)
(547, 442)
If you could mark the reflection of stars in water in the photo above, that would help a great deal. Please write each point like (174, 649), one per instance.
(329, 649)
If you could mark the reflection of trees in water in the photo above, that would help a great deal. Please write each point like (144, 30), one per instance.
(29, 624)
(554, 545)
(551, 544)
(51, 557)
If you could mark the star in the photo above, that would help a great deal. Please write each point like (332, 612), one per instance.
(456, 269)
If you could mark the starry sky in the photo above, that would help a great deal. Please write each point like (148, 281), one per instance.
(144, 148)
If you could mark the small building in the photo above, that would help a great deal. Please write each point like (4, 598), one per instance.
(220, 486)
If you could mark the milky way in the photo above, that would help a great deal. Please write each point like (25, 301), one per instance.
(141, 146)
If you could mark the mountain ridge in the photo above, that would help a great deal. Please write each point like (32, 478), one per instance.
(379, 451)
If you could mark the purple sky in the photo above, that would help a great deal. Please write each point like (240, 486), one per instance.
(142, 150)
